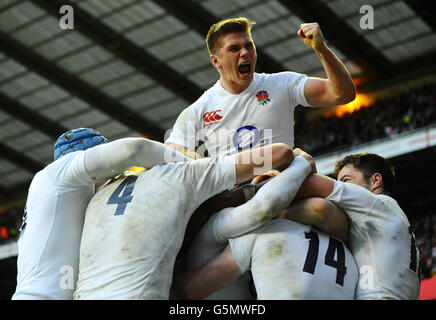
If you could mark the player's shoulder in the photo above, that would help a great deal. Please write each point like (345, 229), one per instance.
(279, 75)
(387, 199)
(353, 190)
(286, 79)
(40, 180)
(203, 101)
(59, 166)
(391, 205)
(67, 172)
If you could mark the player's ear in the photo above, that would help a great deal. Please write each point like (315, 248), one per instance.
(376, 183)
(215, 62)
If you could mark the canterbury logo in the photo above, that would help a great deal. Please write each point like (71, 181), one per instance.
(212, 117)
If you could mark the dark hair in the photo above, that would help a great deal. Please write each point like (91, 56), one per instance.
(368, 164)
(224, 27)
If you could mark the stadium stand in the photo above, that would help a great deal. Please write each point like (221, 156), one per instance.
(387, 117)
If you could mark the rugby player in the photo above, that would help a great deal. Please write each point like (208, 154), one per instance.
(48, 246)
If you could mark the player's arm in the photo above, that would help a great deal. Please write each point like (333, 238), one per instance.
(321, 213)
(226, 199)
(265, 204)
(276, 195)
(108, 160)
(213, 276)
(258, 161)
(338, 88)
(311, 209)
(278, 156)
(315, 210)
(268, 202)
(184, 150)
(183, 135)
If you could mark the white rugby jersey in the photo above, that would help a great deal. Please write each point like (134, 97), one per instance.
(292, 261)
(48, 247)
(381, 242)
(134, 227)
(260, 115)
(232, 222)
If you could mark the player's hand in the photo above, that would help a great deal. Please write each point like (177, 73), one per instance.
(308, 157)
(312, 36)
(267, 175)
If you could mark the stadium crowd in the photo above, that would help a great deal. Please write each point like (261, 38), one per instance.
(10, 221)
(425, 232)
(385, 118)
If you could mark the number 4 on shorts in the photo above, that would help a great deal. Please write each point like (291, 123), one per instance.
(126, 188)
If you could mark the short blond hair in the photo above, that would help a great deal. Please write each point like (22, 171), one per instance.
(224, 27)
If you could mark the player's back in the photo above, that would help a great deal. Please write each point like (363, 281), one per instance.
(386, 253)
(53, 220)
(294, 261)
(131, 236)
(382, 242)
(134, 227)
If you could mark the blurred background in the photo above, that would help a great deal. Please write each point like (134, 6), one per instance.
(129, 67)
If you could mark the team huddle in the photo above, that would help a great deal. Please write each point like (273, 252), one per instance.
(93, 229)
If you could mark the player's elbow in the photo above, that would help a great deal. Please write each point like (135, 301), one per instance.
(282, 156)
(136, 146)
(134, 150)
(318, 208)
(347, 95)
(329, 217)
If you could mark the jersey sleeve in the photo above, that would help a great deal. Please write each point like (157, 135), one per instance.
(209, 176)
(211, 240)
(355, 200)
(208, 242)
(242, 248)
(185, 131)
(70, 171)
(295, 83)
(268, 202)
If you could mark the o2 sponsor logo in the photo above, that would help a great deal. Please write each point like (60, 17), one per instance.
(248, 137)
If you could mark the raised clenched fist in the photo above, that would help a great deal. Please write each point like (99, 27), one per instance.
(312, 36)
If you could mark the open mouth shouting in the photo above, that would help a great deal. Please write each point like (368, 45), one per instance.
(245, 68)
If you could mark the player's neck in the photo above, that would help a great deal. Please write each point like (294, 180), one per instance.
(233, 87)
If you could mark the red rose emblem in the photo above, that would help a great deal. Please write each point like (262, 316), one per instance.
(262, 97)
